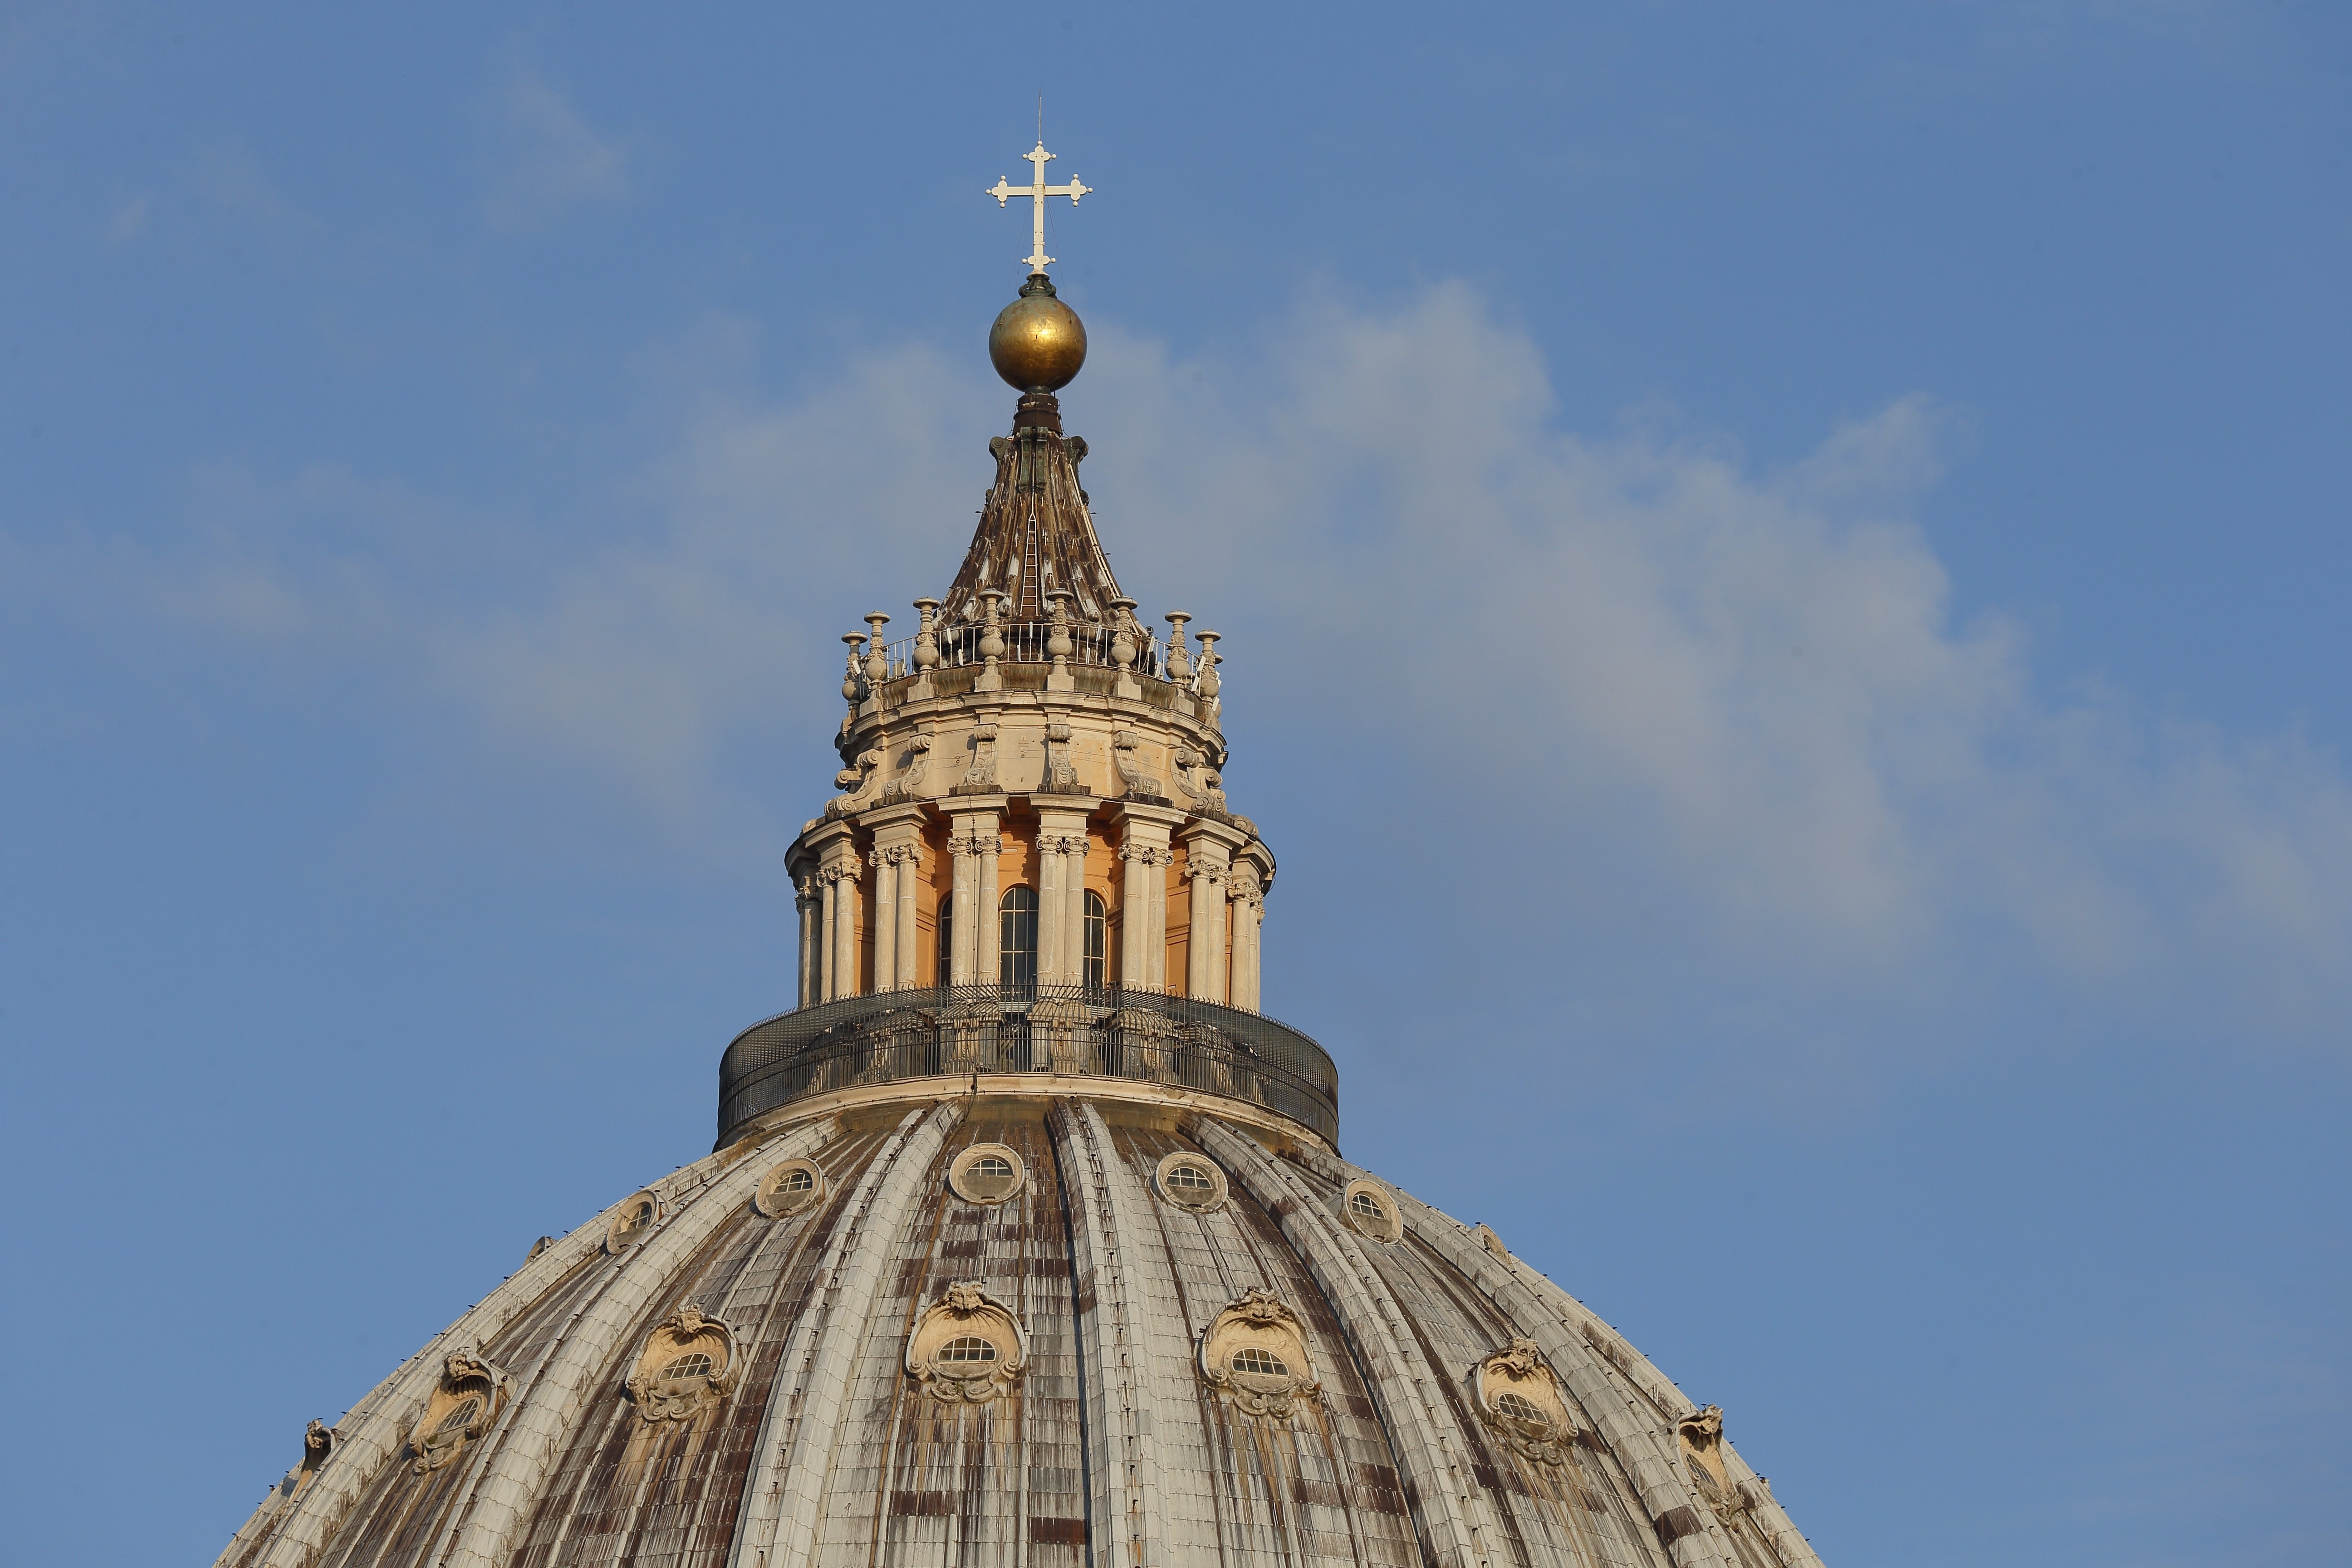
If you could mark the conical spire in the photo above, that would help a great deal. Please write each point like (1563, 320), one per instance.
(1036, 534)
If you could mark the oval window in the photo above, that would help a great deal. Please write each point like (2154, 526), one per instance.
(1259, 1362)
(987, 1173)
(1518, 1407)
(461, 1416)
(968, 1349)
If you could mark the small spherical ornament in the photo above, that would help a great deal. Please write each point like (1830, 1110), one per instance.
(1037, 343)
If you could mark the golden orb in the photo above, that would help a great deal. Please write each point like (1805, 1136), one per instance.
(1037, 343)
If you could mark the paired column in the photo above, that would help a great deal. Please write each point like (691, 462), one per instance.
(1144, 858)
(973, 845)
(1207, 861)
(1247, 912)
(1061, 895)
(898, 861)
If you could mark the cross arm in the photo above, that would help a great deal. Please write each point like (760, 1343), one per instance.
(1073, 190)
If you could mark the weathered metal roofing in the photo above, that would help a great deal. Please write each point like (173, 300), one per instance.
(1111, 1436)
(1036, 532)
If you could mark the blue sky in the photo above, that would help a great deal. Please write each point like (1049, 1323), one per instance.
(1784, 573)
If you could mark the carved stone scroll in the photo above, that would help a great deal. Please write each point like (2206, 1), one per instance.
(469, 1396)
(1519, 1400)
(968, 1348)
(1139, 784)
(687, 1367)
(1254, 1354)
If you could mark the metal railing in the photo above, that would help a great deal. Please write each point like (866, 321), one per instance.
(1024, 643)
(954, 1031)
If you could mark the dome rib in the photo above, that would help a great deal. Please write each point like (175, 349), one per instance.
(1570, 1335)
(516, 1471)
(799, 1435)
(1112, 1449)
(1122, 1439)
(373, 1434)
(1369, 1316)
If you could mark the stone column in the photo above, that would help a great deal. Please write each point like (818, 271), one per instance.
(1155, 916)
(1248, 907)
(898, 852)
(809, 907)
(988, 955)
(885, 862)
(1208, 860)
(911, 863)
(1061, 888)
(1144, 857)
(841, 918)
(962, 896)
(1074, 919)
(973, 845)
(1049, 908)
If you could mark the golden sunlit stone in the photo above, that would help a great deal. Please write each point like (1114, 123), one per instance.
(1037, 342)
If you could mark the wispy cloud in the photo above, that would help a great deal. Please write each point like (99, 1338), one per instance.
(1626, 672)
(549, 160)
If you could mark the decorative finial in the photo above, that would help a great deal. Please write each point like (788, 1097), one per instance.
(1038, 190)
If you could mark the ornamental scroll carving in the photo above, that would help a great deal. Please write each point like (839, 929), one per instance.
(909, 785)
(1519, 1400)
(1699, 1436)
(468, 1397)
(980, 778)
(1060, 777)
(858, 785)
(1138, 783)
(1207, 795)
(1253, 1354)
(687, 1367)
(968, 1347)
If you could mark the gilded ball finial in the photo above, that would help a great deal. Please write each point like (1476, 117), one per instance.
(1037, 342)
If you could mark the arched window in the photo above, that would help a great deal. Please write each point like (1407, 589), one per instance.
(946, 934)
(1016, 961)
(1097, 941)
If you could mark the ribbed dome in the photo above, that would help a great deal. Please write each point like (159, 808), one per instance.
(1042, 1329)
(1027, 1244)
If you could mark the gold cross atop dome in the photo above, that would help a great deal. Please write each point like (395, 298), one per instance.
(1038, 190)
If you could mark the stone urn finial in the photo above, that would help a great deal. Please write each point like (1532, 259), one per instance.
(877, 668)
(1058, 645)
(1209, 657)
(992, 636)
(1180, 658)
(851, 682)
(1122, 633)
(926, 636)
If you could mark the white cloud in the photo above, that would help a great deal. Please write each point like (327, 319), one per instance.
(1621, 669)
(549, 160)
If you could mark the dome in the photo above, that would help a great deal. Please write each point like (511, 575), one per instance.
(1056, 1327)
(1025, 1241)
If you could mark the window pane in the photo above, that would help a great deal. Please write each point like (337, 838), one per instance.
(1016, 962)
(946, 934)
(1097, 940)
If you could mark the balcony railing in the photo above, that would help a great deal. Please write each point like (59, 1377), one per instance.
(947, 1032)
